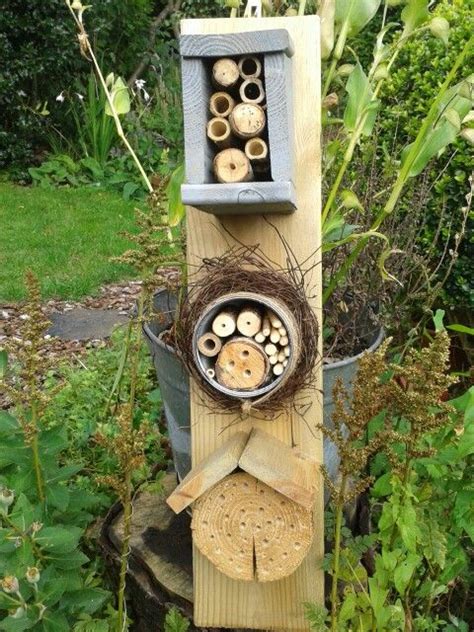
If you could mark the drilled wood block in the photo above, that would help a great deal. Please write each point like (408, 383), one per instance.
(249, 531)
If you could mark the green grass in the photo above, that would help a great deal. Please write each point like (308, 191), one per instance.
(66, 236)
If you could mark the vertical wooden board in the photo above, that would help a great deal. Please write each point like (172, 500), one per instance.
(219, 600)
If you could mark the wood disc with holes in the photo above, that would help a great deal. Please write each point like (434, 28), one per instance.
(242, 364)
(249, 531)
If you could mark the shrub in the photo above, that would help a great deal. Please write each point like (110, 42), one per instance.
(423, 63)
(39, 61)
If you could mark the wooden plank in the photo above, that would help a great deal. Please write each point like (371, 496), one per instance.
(280, 467)
(208, 472)
(265, 41)
(219, 600)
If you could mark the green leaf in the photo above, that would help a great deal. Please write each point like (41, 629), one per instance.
(404, 572)
(9, 624)
(377, 600)
(438, 320)
(176, 208)
(8, 423)
(462, 329)
(175, 622)
(382, 486)
(87, 600)
(129, 189)
(440, 28)
(57, 496)
(3, 362)
(59, 539)
(120, 97)
(350, 200)
(55, 622)
(414, 14)
(326, 12)
(53, 441)
(407, 526)
(357, 13)
(359, 102)
(348, 607)
(69, 561)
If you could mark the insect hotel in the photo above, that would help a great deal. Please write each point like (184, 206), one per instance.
(248, 330)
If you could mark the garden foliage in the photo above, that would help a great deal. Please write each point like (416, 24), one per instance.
(38, 62)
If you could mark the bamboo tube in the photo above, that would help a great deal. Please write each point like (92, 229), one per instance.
(282, 331)
(221, 104)
(270, 349)
(285, 362)
(247, 120)
(209, 345)
(260, 337)
(218, 130)
(284, 341)
(224, 324)
(281, 356)
(249, 322)
(266, 328)
(225, 72)
(287, 351)
(232, 165)
(211, 373)
(250, 67)
(275, 321)
(275, 336)
(256, 150)
(251, 91)
(278, 369)
(273, 359)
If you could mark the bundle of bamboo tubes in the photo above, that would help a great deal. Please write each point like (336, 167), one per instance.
(237, 126)
(246, 347)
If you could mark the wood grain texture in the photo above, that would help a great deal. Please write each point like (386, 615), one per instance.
(219, 600)
(242, 365)
(208, 472)
(264, 41)
(277, 464)
(250, 531)
(199, 150)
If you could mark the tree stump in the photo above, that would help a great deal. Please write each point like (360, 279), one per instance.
(160, 563)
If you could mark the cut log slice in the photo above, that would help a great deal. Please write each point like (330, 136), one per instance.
(242, 365)
(232, 165)
(247, 120)
(249, 531)
(249, 322)
(225, 72)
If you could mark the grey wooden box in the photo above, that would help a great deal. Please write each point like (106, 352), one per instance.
(200, 189)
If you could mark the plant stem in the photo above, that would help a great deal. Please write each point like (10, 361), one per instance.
(336, 554)
(403, 175)
(84, 38)
(127, 528)
(36, 455)
(302, 7)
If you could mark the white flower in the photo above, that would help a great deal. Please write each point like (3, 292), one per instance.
(80, 96)
(33, 575)
(6, 498)
(140, 86)
(10, 584)
(60, 97)
(21, 93)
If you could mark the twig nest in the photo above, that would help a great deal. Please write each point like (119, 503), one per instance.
(249, 531)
